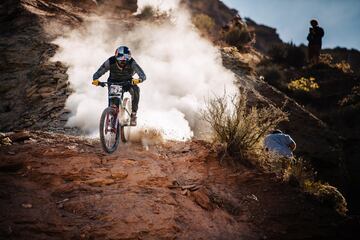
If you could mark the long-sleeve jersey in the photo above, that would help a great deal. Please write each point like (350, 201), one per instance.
(118, 74)
(315, 36)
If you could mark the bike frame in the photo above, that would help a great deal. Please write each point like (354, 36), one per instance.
(115, 120)
(118, 95)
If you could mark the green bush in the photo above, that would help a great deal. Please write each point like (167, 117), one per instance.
(238, 127)
(203, 22)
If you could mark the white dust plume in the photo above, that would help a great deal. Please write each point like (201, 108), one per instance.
(182, 69)
(159, 5)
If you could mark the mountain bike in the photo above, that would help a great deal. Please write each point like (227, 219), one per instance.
(115, 120)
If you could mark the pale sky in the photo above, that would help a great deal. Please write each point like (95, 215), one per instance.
(339, 18)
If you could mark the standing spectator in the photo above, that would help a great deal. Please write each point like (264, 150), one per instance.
(314, 37)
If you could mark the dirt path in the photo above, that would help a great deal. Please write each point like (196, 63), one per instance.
(61, 187)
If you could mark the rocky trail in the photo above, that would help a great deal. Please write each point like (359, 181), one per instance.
(54, 186)
(57, 186)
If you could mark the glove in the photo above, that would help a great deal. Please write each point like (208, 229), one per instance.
(136, 81)
(96, 82)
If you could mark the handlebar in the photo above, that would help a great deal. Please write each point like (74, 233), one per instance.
(125, 83)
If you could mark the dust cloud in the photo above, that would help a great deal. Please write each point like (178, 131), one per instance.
(182, 69)
(159, 5)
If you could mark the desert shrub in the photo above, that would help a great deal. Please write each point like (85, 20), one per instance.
(273, 75)
(238, 127)
(353, 98)
(238, 37)
(300, 173)
(326, 58)
(294, 170)
(303, 84)
(147, 12)
(203, 22)
(288, 54)
(327, 194)
(277, 53)
(295, 56)
(344, 66)
(269, 161)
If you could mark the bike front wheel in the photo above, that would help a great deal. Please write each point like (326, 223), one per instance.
(109, 130)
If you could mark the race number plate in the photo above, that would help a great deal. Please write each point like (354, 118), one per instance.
(115, 89)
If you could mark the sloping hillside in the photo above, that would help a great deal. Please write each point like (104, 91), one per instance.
(54, 186)
(59, 187)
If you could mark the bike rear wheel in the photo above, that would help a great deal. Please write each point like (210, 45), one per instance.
(109, 130)
(125, 120)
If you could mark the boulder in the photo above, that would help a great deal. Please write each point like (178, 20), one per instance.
(202, 199)
(20, 136)
(118, 174)
(99, 182)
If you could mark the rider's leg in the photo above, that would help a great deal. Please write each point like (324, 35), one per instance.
(135, 96)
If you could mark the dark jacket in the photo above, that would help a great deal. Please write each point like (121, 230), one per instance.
(315, 36)
(118, 74)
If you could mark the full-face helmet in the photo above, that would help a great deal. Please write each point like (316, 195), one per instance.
(123, 54)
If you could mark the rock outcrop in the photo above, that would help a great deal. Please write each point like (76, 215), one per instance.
(34, 88)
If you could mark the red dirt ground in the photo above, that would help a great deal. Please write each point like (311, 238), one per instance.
(55, 186)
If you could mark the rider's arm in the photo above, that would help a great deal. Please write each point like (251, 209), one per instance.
(138, 70)
(102, 70)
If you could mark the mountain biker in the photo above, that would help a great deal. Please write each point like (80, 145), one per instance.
(122, 68)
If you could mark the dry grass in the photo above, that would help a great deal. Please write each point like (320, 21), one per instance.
(327, 194)
(240, 130)
(238, 127)
(300, 173)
